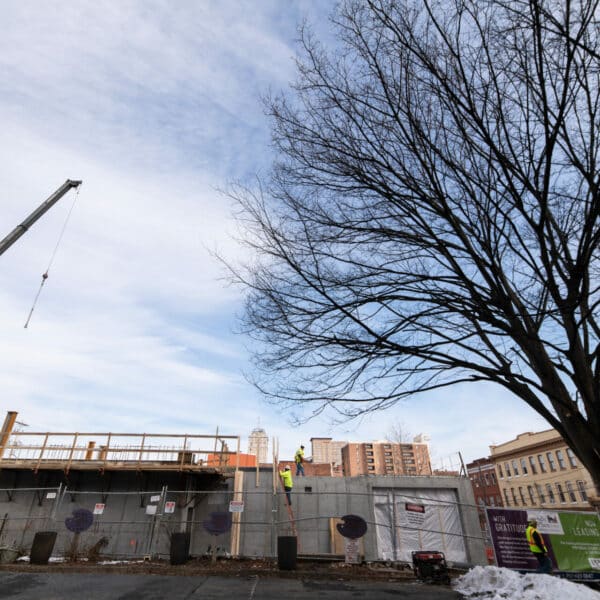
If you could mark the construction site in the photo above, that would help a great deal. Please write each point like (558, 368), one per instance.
(128, 496)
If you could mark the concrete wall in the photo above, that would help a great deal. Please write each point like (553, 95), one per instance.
(133, 533)
(316, 500)
(36, 502)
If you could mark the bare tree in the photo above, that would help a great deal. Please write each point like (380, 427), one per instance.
(398, 433)
(432, 216)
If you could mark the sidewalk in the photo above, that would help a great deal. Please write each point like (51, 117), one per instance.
(107, 586)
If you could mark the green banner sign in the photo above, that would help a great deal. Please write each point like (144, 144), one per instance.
(572, 539)
(577, 547)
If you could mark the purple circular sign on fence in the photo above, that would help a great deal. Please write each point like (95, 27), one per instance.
(81, 519)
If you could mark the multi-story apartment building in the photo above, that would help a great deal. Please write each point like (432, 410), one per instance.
(486, 490)
(539, 470)
(258, 444)
(385, 458)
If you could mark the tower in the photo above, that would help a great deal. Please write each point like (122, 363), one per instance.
(258, 444)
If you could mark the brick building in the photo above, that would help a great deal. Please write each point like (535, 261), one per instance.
(540, 470)
(311, 469)
(486, 490)
(385, 458)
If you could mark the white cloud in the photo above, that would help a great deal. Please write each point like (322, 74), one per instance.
(154, 105)
(134, 319)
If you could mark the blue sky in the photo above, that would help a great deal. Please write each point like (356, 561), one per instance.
(156, 107)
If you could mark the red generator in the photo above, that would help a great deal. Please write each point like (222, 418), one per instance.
(430, 566)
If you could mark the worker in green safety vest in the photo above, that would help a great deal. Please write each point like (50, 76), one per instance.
(299, 459)
(538, 547)
(286, 476)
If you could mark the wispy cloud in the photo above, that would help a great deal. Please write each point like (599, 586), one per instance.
(154, 105)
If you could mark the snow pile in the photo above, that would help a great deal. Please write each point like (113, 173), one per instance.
(493, 583)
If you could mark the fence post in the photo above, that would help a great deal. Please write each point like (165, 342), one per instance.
(391, 502)
(238, 494)
(156, 522)
(274, 503)
(57, 501)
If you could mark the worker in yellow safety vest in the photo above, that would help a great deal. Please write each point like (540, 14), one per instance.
(299, 459)
(286, 476)
(538, 547)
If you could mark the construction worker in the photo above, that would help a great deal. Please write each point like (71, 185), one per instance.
(286, 476)
(538, 547)
(299, 459)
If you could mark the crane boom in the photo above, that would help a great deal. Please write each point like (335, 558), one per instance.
(19, 230)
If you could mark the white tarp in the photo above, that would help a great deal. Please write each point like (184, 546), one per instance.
(418, 519)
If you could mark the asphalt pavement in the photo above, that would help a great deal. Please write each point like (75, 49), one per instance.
(105, 586)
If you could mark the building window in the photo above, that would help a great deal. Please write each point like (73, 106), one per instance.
(371, 467)
(561, 459)
(506, 501)
(514, 497)
(582, 492)
(540, 493)
(531, 495)
(550, 493)
(486, 478)
(507, 469)
(523, 466)
(532, 465)
(571, 491)
(522, 495)
(494, 480)
(542, 463)
(561, 494)
(551, 461)
(500, 471)
(572, 459)
(492, 501)
(515, 468)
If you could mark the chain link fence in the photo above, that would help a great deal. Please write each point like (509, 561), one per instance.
(139, 525)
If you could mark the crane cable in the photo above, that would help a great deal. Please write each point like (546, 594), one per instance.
(45, 274)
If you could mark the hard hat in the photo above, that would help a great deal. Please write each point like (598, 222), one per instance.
(532, 521)
(287, 469)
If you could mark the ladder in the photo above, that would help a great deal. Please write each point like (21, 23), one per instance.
(289, 510)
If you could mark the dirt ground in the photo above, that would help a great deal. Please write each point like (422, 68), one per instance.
(315, 569)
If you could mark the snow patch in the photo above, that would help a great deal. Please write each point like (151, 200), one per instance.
(495, 583)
